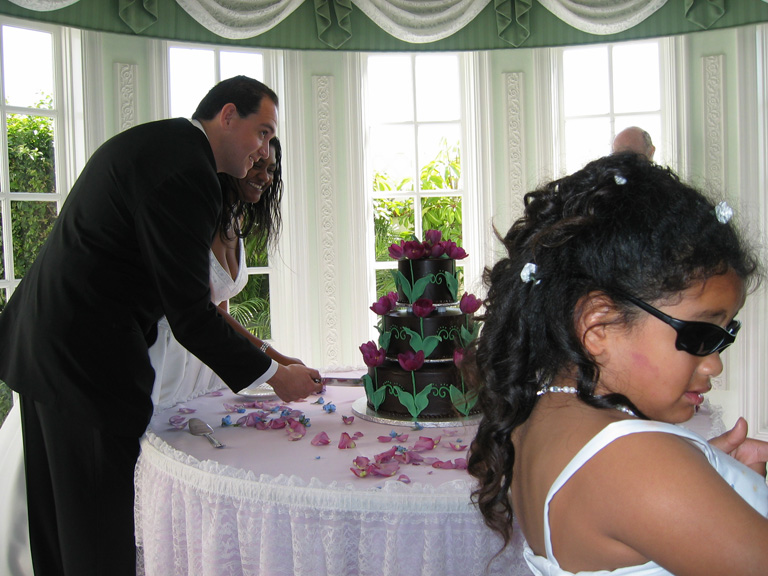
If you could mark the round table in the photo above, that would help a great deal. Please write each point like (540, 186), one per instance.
(268, 505)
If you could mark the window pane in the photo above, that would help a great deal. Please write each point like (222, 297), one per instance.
(30, 224)
(236, 63)
(255, 256)
(443, 213)
(2, 249)
(23, 88)
(390, 89)
(585, 81)
(586, 140)
(437, 88)
(439, 156)
(636, 80)
(192, 74)
(392, 157)
(393, 220)
(31, 153)
(385, 282)
(251, 307)
(3, 299)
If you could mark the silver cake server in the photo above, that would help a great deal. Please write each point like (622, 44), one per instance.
(199, 428)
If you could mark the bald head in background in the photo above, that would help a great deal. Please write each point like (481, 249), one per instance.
(634, 139)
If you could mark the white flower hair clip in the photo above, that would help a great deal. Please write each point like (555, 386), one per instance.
(723, 213)
(619, 179)
(528, 273)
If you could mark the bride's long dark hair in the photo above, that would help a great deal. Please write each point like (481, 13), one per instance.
(262, 220)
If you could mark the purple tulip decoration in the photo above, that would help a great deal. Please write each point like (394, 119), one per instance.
(433, 237)
(437, 250)
(423, 307)
(373, 356)
(455, 252)
(458, 356)
(396, 251)
(385, 304)
(414, 250)
(469, 303)
(411, 360)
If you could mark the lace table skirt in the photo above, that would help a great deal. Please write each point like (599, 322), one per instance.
(203, 517)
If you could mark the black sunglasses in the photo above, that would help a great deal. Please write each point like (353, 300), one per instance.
(697, 338)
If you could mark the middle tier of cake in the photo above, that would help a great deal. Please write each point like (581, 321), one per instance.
(438, 334)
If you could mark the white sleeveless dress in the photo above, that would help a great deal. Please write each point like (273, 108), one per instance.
(747, 483)
(179, 375)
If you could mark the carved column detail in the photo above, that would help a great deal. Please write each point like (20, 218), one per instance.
(126, 97)
(322, 90)
(513, 83)
(714, 122)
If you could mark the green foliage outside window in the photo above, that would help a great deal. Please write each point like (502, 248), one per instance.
(30, 169)
(251, 307)
(394, 218)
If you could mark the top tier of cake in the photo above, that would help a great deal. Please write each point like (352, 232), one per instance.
(432, 278)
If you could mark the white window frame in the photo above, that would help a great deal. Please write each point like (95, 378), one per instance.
(69, 150)
(550, 65)
(475, 176)
(273, 77)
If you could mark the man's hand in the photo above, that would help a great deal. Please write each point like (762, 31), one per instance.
(295, 382)
(748, 451)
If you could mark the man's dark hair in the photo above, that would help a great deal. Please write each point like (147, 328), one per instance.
(244, 92)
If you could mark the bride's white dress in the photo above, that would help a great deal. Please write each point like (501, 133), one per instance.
(179, 376)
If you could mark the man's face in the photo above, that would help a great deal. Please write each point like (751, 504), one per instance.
(247, 139)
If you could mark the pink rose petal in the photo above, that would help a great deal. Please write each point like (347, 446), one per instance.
(426, 443)
(346, 441)
(360, 472)
(321, 439)
(385, 469)
(361, 462)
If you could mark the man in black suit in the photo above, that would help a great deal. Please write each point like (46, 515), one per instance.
(130, 245)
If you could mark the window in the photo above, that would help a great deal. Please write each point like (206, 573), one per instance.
(32, 126)
(414, 118)
(606, 88)
(192, 72)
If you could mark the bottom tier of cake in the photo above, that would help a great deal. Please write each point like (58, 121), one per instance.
(434, 391)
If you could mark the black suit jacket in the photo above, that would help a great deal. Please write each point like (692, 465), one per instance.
(131, 244)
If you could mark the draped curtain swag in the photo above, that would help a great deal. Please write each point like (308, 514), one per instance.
(412, 21)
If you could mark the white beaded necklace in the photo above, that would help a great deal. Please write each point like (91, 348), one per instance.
(574, 390)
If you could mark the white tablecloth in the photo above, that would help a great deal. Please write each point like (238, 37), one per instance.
(266, 505)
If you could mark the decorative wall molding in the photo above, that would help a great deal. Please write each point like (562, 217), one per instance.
(322, 92)
(513, 89)
(127, 89)
(753, 201)
(714, 121)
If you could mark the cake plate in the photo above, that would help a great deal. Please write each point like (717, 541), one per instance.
(360, 408)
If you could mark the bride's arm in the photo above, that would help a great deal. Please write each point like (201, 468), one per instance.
(271, 352)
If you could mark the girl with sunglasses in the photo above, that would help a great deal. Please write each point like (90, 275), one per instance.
(603, 328)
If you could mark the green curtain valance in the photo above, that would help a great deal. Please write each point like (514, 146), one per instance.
(383, 25)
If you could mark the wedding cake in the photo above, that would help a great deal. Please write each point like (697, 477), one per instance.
(424, 329)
